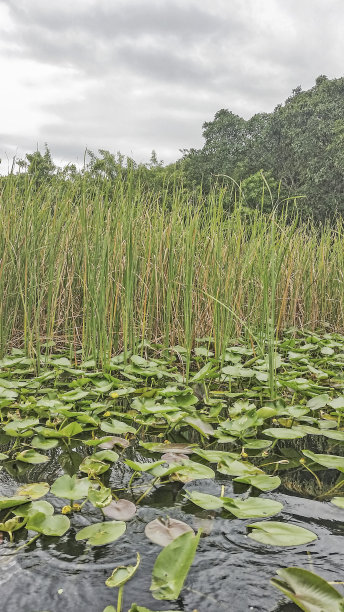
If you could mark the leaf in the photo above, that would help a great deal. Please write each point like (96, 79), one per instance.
(122, 574)
(308, 590)
(193, 471)
(164, 531)
(70, 487)
(116, 427)
(136, 608)
(115, 441)
(338, 501)
(234, 467)
(252, 507)
(12, 502)
(333, 462)
(99, 497)
(319, 401)
(106, 455)
(72, 429)
(42, 443)
(93, 466)
(99, 534)
(34, 490)
(280, 534)
(120, 510)
(55, 525)
(172, 566)
(263, 482)
(30, 456)
(74, 395)
(204, 500)
(281, 433)
(337, 403)
(34, 507)
(201, 426)
(143, 467)
(167, 447)
(215, 456)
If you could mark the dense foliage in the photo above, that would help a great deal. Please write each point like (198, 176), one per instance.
(299, 145)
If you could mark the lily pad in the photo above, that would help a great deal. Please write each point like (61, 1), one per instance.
(164, 531)
(71, 487)
(308, 590)
(280, 534)
(54, 525)
(122, 574)
(99, 534)
(120, 510)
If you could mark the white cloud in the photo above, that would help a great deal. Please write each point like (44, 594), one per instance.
(141, 74)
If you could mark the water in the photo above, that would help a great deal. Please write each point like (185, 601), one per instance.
(230, 573)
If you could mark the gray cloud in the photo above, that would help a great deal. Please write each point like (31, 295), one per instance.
(141, 74)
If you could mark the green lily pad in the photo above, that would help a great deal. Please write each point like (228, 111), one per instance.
(31, 456)
(280, 534)
(252, 507)
(99, 534)
(338, 501)
(71, 487)
(263, 482)
(308, 590)
(55, 525)
(332, 462)
(122, 574)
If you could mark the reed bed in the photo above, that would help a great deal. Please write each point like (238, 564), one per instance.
(101, 266)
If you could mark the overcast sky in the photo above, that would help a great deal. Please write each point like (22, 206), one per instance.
(137, 75)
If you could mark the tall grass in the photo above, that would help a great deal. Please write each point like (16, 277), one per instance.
(102, 266)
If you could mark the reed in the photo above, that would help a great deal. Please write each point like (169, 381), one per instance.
(101, 266)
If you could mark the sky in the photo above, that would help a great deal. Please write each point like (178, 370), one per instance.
(137, 75)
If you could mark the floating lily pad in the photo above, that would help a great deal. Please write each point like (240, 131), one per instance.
(50, 525)
(120, 510)
(99, 534)
(164, 531)
(71, 487)
(280, 534)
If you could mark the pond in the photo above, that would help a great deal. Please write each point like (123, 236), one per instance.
(60, 420)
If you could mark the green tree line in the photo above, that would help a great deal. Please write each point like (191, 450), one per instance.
(295, 153)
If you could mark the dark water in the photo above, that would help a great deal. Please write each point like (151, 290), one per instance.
(230, 572)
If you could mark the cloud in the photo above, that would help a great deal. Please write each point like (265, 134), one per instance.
(142, 74)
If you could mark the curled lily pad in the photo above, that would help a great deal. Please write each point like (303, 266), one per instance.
(99, 534)
(120, 510)
(106, 455)
(280, 534)
(122, 574)
(99, 496)
(115, 441)
(308, 590)
(163, 531)
(54, 525)
(12, 524)
(174, 458)
(93, 466)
